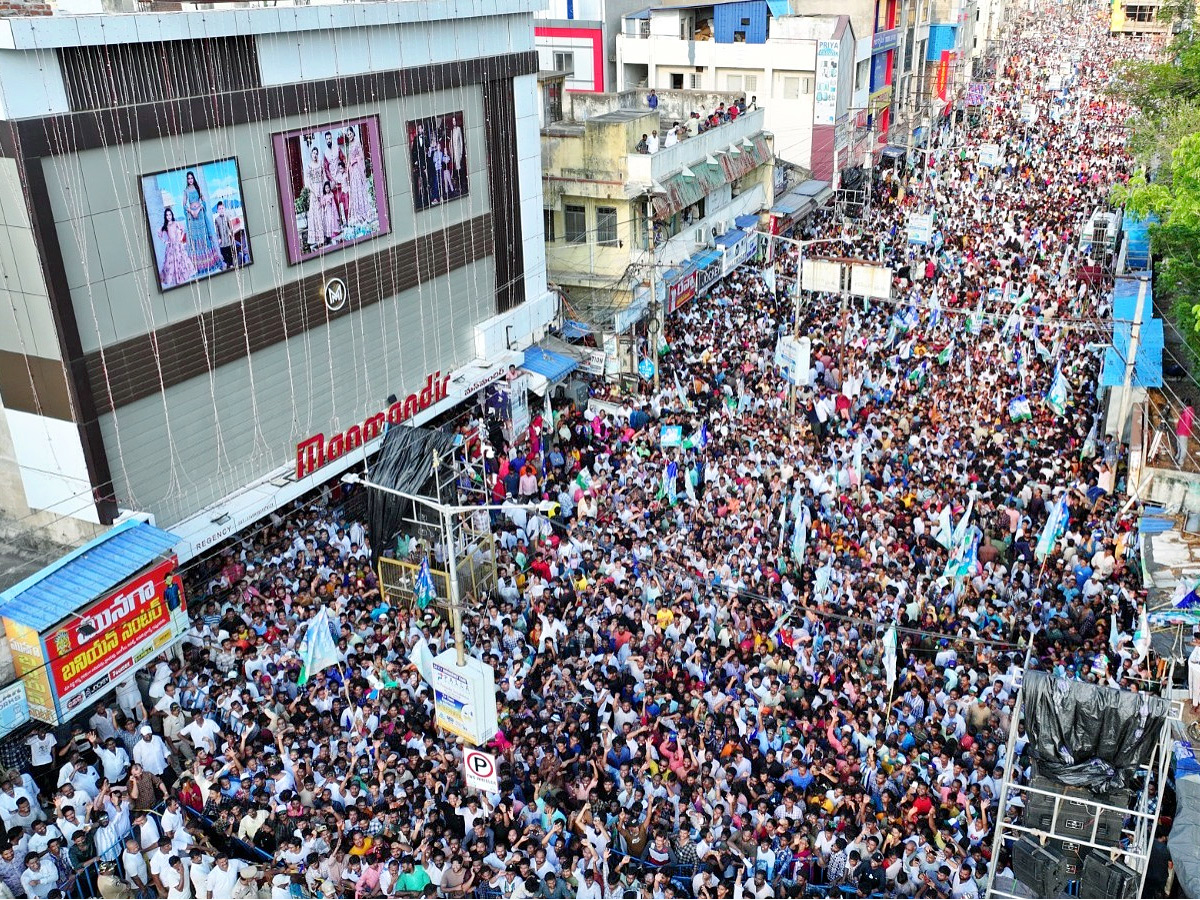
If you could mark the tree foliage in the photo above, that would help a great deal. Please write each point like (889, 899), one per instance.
(1166, 140)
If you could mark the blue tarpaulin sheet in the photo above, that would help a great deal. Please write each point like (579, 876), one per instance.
(747, 222)
(1147, 368)
(550, 365)
(705, 259)
(574, 331)
(47, 597)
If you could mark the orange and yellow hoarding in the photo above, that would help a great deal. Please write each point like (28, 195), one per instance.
(93, 648)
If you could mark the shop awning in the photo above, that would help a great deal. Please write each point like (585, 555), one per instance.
(705, 259)
(47, 597)
(747, 222)
(802, 199)
(682, 190)
(729, 238)
(891, 151)
(550, 365)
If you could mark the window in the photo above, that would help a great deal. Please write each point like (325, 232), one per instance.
(1139, 13)
(575, 224)
(548, 223)
(606, 225)
(733, 82)
(552, 103)
(739, 37)
(564, 61)
(796, 86)
(751, 83)
(677, 81)
(745, 23)
(694, 82)
(687, 28)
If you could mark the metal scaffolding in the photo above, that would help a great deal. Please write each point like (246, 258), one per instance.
(1134, 844)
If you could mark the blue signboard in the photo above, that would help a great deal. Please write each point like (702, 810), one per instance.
(646, 369)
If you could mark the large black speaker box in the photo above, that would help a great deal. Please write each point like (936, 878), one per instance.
(1103, 879)
(1075, 817)
(1037, 867)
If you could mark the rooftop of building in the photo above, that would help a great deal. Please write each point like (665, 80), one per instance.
(44, 32)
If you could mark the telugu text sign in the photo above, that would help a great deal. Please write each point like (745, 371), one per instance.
(113, 634)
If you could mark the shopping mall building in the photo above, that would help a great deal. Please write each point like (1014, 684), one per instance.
(239, 242)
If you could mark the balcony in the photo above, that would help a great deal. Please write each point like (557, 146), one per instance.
(650, 168)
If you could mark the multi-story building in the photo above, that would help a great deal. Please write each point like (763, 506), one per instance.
(1138, 17)
(578, 38)
(617, 219)
(801, 68)
(238, 242)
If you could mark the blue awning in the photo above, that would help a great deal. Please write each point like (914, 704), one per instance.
(47, 597)
(729, 238)
(747, 222)
(891, 151)
(550, 365)
(705, 259)
(574, 331)
(779, 8)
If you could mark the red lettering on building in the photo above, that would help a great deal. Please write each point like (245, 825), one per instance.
(317, 451)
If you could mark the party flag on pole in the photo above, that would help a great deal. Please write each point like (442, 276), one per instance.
(1019, 410)
(1056, 524)
(424, 589)
(317, 650)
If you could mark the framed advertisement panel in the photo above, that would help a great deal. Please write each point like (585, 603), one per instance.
(197, 222)
(437, 154)
(332, 186)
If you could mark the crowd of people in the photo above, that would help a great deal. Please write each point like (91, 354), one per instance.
(696, 123)
(772, 658)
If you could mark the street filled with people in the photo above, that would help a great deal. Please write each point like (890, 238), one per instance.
(773, 655)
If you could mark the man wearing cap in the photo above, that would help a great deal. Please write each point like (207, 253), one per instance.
(152, 754)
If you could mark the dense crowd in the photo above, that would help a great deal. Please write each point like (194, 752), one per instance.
(775, 656)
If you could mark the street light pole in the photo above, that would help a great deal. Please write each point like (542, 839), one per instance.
(796, 313)
(446, 513)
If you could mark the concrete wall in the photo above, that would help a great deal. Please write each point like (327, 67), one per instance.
(176, 452)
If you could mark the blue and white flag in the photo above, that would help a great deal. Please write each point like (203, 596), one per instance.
(424, 589)
(944, 534)
(1059, 394)
(317, 650)
(1056, 525)
(1019, 410)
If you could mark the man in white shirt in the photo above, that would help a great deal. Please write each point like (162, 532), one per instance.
(151, 752)
(175, 879)
(134, 863)
(203, 732)
(41, 754)
(222, 879)
(114, 761)
(40, 877)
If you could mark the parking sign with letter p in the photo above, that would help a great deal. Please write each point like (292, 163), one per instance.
(481, 771)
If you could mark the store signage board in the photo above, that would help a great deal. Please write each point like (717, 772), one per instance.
(90, 651)
(14, 707)
(920, 228)
(464, 698)
(825, 96)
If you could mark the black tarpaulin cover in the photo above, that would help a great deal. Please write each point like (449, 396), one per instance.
(405, 463)
(1089, 736)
